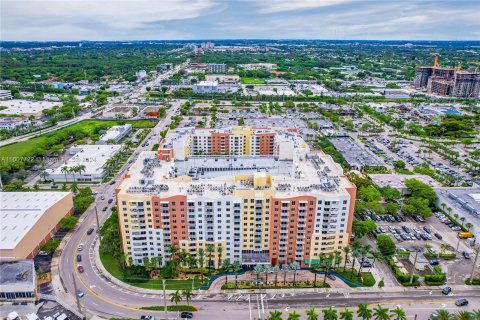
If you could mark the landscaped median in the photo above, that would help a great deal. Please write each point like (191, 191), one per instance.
(171, 308)
(250, 285)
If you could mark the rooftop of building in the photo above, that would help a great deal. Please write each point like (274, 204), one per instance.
(208, 83)
(216, 177)
(19, 211)
(93, 157)
(23, 106)
(397, 181)
(114, 131)
(17, 272)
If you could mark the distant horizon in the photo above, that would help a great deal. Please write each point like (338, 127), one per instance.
(243, 39)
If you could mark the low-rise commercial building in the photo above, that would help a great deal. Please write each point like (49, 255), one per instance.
(26, 107)
(217, 68)
(10, 123)
(115, 134)
(282, 206)
(91, 158)
(5, 95)
(18, 281)
(29, 219)
(206, 87)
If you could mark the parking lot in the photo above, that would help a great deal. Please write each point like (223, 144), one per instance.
(411, 233)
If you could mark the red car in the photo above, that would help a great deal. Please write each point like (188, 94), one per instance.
(80, 269)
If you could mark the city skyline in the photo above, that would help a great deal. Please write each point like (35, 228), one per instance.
(239, 19)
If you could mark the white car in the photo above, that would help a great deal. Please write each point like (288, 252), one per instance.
(80, 247)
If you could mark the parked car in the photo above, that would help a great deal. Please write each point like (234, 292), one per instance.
(110, 200)
(80, 293)
(186, 315)
(438, 235)
(80, 269)
(427, 230)
(446, 290)
(43, 253)
(461, 302)
(366, 264)
(331, 276)
(434, 262)
(406, 229)
(90, 231)
(79, 257)
(466, 255)
(105, 209)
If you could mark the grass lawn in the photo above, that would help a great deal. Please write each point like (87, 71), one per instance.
(25, 148)
(171, 308)
(111, 266)
(250, 80)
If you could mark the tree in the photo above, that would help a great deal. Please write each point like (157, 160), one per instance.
(236, 268)
(398, 314)
(422, 190)
(361, 228)
(68, 222)
(419, 206)
(295, 267)
(285, 269)
(330, 314)
(364, 312)
(293, 316)
(176, 297)
(380, 313)
(65, 170)
(210, 249)
(275, 315)
(390, 194)
(226, 267)
(219, 254)
(74, 187)
(275, 270)
(385, 244)
(463, 315)
(442, 314)
(399, 165)
(392, 208)
(312, 314)
(44, 175)
(369, 194)
(188, 295)
(346, 250)
(258, 269)
(468, 225)
(346, 314)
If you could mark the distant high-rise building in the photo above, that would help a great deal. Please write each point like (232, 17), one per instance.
(207, 45)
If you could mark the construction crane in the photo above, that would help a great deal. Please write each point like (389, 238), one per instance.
(477, 63)
(435, 59)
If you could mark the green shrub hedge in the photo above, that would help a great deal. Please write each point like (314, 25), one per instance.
(402, 277)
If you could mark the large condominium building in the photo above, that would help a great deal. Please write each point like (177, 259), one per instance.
(217, 68)
(448, 82)
(283, 204)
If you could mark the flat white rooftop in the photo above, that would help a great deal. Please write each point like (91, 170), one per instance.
(93, 157)
(21, 106)
(20, 211)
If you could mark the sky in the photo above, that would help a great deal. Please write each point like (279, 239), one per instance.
(72, 20)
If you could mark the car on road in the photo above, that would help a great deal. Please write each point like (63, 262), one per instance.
(461, 302)
(446, 290)
(80, 247)
(331, 276)
(90, 231)
(43, 253)
(110, 201)
(438, 236)
(80, 269)
(112, 182)
(80, 293)
(434, 262)
(466, 255)
(79, 257)
(102, 197)
(186, 315)
(105, 209)
(147, 317)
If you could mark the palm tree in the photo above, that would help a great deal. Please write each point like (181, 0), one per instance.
(295, 267)
(476, 314)
(338, 259)
(463, 220)
(326, 264)
(442, 314)
(330, 314)
(210, 249)
(173, 250)
(356, 254)
(275, 270)
(455, 215)
(176, 298)
(443, 248)
(443, 206)
(81, 169)
(266, 270)
(468, 225)
(364, 312)
(285, 269)
(275, 315)
(346, 250)
(364, 252)
(201, 257)
(183, 257)
(65, 170)
(44, 175)
(73, 170)
(74, 187)
(312, 314)
(381, 313)
(257, 270)
(346, 314)
(463, 315)
(236, 268)
(226, 266)
(398, 314)
(188, 295)
(315, 267)
(449, 210)
(219, 255)
(192, 262)
(293, 316)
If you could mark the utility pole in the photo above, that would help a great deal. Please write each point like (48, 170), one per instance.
(249, 307)
(98, 224)
(414, 263)
(474, 265)
(79, 307)
(164, 300)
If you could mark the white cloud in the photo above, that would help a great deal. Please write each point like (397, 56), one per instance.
(272, 6)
